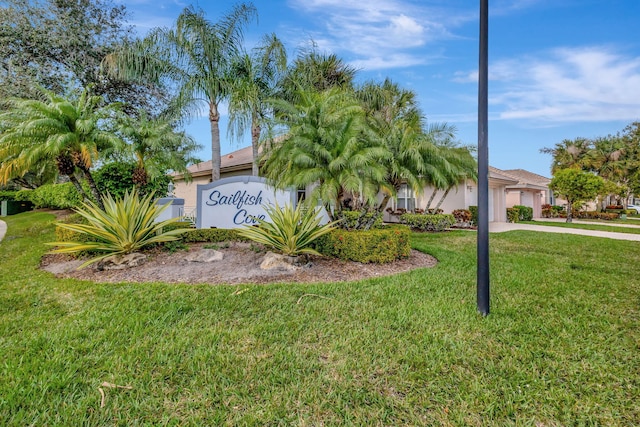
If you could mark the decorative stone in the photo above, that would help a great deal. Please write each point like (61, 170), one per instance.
(205, 255)
(272, 261)
(120, 262)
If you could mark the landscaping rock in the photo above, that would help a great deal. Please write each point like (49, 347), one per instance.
(205, 255)
(120, 262)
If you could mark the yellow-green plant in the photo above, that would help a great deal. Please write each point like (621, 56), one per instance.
(125, 225)
(288, 231)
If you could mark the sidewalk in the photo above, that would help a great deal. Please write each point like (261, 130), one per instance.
(3, 229)
(500, 227)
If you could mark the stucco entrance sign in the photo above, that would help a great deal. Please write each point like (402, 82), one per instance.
(233, 202)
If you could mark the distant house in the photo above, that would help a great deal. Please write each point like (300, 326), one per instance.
(532, 190)
(506, 189)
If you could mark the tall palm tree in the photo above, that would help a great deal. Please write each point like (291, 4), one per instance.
(156, 146)
(327, 146)
(194, 57)
(68, 132)
(255, 77)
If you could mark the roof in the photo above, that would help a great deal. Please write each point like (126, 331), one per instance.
(499, 175)
(527, 179)
(239, 159)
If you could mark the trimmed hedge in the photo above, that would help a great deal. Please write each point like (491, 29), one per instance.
(7, 195)
(54, 196)
(525, 213)
(608, 216)
(371, 246)
(211, 235)
(350, 219)
(428, 222)
(513, 214)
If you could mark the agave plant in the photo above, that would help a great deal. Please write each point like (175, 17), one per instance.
(124, 226)
(288, 231)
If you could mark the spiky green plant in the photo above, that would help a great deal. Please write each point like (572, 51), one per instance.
(124, 226)
(288, 230)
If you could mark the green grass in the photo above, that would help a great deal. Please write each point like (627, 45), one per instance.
(561, 347)
(598, 226)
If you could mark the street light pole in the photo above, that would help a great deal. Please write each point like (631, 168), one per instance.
(483, 164)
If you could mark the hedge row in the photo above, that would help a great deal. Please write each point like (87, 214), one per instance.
(54, 196)
(352, 220)
(371, 246)
(436, 222)
(211, 235)
(7, 195)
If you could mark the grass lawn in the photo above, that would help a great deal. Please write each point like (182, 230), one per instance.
(598, 226)
(561, 347)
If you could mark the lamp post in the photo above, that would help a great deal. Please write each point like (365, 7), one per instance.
(483, 165)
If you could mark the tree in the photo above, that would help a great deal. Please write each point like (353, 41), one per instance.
(194, 57)
(414, 157)
(575, 187)
(328, 147)
(254, 82)
(569, 154)
(313, 70)
(69, 132)
(59, 45)
(156, 147)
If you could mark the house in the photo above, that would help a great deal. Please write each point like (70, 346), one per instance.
(532, 190)
(501, 183)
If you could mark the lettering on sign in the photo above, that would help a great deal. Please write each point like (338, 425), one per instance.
(237, 201)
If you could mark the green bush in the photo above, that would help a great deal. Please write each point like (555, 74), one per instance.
(525, 213)
(376, 246)
(8, 195)
(428, 222)
(474, 214)
(54, 196)
(513, 215)
(211, 235)
(116, 178)
(353, 220)
(607, 216)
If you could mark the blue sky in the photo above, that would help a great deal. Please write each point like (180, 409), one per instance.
(558, 69)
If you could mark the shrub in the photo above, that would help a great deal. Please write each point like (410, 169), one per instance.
(358, 220)
(116, 178)
(376, 246)
(124, 226)
(211, 235)
(525, 213)
(474, 214)
(8, 195)
(595, 215)
(462, 216)
(289, 230)
(435, 222)
(54, 196)
(513, 215)
(617, 207)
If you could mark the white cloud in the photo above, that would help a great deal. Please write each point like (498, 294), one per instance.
(566, 84)
(379, 34)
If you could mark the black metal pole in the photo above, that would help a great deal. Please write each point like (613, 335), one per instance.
(483, 163)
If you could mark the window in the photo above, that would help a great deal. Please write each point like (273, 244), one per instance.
(405, 198)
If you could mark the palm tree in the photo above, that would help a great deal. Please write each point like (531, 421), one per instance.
(156, 146)
(568, 154)
(313, 70)
(194, 57)
(255, 78)
(463, 167)
(414, 156)
(69, 132)
(327, 146)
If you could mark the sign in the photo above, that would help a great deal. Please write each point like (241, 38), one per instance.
(236, 201)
